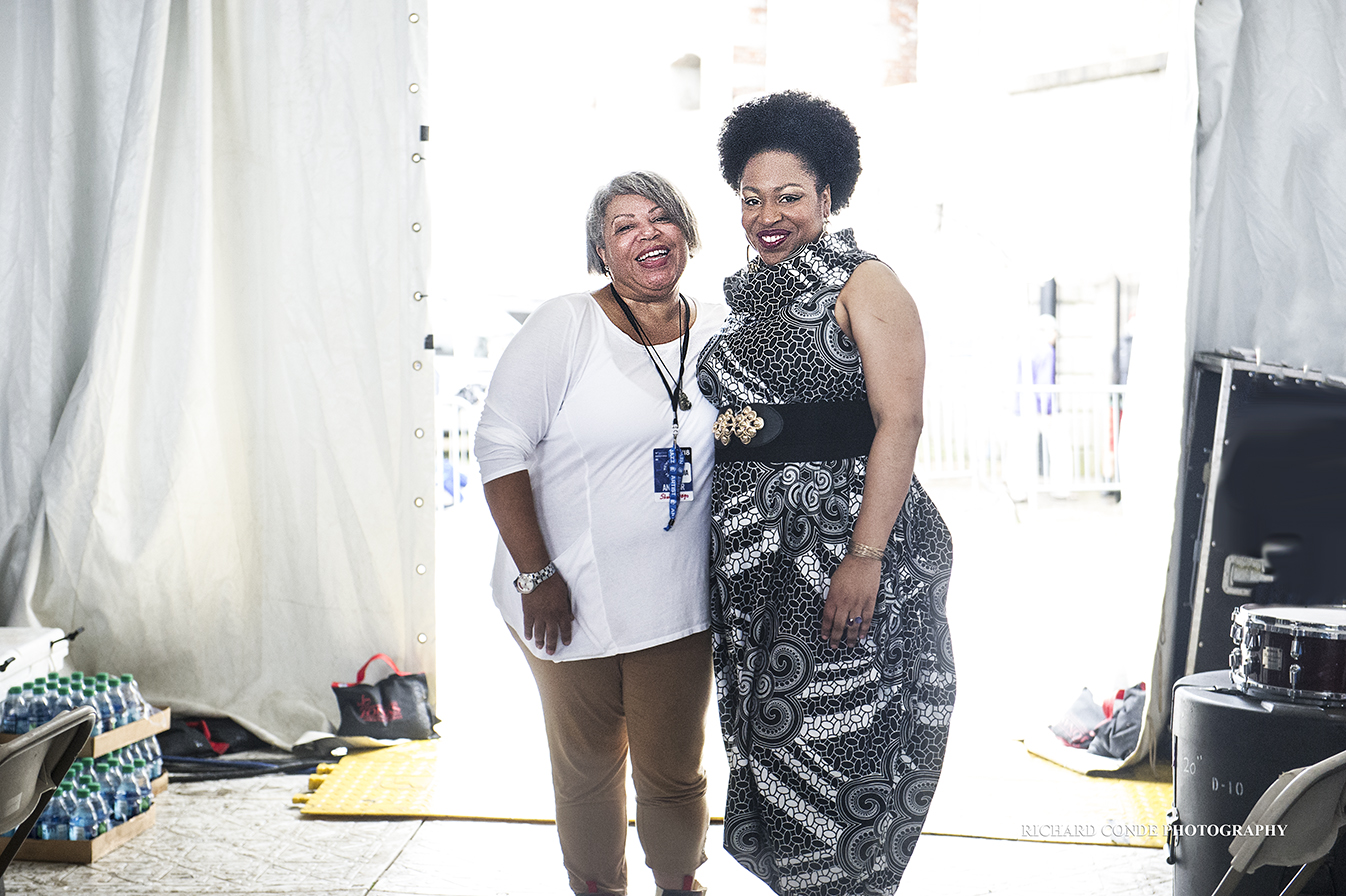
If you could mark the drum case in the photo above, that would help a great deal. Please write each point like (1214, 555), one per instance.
(1263, 469)
(1227, 749)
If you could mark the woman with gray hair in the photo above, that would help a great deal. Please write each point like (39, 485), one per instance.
(595, 450)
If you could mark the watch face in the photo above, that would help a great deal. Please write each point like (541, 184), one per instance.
(524, 583)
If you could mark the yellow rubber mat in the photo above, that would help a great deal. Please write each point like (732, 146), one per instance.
(417, 779)
(993, 790)
(1001, 791)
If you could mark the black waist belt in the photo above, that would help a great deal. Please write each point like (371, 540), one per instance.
(790, 433)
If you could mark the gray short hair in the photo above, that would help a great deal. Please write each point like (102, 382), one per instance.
(637, 183)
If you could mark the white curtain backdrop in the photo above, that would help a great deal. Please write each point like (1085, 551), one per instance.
(1269, 267)
(213, 434)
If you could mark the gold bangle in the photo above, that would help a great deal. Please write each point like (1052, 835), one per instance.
(864, 550)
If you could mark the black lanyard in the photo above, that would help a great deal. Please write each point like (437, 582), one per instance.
(676, 397)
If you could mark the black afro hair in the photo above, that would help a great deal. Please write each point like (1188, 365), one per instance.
(813, 129)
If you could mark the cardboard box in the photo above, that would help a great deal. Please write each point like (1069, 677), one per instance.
(121, 736)
(83, 852)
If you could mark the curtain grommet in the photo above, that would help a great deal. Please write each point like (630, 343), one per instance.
(413, 18)
(416, 227)
(415, 365)
(420, 569)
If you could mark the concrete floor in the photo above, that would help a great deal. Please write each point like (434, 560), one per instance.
(1038, 610)
(245, 838)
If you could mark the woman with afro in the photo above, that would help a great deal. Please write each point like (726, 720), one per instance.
(830, 564)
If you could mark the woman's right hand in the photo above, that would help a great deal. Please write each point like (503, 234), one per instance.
(547, 615)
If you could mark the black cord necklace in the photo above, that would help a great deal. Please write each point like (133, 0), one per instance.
(674, 461)
(677, 398)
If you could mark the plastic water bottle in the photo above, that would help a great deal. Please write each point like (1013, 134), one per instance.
(66, 794)
(90, 699)
(108, 777)
(102, 809)
(65, 798)
(114, 695)
(156, 758)
(39, 710)
(83, 823)
(15, 705)
(136, 707)
(127, 805)
(21, 723)
(143, 785)
(64, 701)
(52, 824)
(106, 714)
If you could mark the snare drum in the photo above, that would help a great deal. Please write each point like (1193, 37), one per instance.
(1291, 653)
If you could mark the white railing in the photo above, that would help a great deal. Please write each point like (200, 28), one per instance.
(1033, 439)
(458, 427)
(973, 433)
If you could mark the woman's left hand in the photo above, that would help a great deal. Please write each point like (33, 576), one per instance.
(851, 594)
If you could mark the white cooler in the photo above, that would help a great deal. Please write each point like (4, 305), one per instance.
(27, 653)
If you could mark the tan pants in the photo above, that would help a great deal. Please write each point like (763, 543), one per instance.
(655, 702)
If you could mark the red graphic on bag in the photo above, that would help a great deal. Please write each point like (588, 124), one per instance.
(370, 711)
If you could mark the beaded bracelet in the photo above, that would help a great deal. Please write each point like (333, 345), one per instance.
(864, 550)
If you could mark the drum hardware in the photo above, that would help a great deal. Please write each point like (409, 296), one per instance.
(1242, 573)
(1172, 833)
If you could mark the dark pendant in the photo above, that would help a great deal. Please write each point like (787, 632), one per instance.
(683, 401)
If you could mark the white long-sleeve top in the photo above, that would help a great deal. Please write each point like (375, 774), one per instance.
(578, 404)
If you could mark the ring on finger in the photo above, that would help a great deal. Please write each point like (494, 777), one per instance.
(856, 621)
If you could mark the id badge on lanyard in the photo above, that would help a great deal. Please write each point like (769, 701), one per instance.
(673, 478)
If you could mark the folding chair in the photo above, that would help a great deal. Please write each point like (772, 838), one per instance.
(1296, 821)
(31, 767)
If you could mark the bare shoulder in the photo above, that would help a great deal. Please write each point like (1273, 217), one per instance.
(874, 290)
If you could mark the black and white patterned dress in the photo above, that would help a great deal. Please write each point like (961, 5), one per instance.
(834, 754)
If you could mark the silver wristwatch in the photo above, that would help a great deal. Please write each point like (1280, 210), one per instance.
(527, 581)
